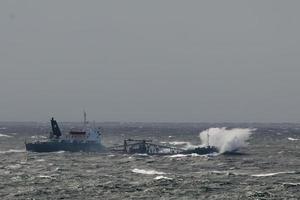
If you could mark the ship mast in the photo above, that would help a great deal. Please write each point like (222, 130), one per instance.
(84, 118)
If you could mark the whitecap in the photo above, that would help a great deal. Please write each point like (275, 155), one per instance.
(292, 139)
(59, 152)
(141, 154)
(273, 174)
(38, 137)
(56, 169)
(3, 135)
(179, 143)
(45, 176)
(13, 151)
(147, 172)
(16, 166)
(196, 155)
(162, 177)
(178, 156)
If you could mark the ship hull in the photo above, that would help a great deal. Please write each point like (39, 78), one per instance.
(64, 146)
(202, 150)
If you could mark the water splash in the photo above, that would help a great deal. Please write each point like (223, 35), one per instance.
(226, 140)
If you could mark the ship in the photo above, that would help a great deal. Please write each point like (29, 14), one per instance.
(87, 139)
(202, 150)
(142, 146)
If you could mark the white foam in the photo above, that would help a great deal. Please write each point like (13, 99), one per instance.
(38, 137)
(16, 166)
(196, 155)
(3, 135)
(162, 177)
(190, 155)
(273, 174)
(227, 173)
(178, 156)
(226, 140)
(45, 176)
(292, 139)
(147, 172)
(219, 172)
(141, 154)
(179, 143)
(56, 169)
(13, 151)
(187, 145)
(59, 152)
(3, 128)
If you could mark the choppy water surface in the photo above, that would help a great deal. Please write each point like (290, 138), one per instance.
(267, 169)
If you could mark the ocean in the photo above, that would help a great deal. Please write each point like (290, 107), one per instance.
(266, 166)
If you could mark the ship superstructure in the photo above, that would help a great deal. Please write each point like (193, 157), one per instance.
(86, 139)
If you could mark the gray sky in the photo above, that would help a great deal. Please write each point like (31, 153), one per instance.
(162, 61)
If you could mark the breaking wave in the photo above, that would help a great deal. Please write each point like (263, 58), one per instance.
(226, 140)
(162, 177)
(147, 172)
(3, 135)
(13, 151)
(178, 156)
(59, 152)
(272, 174)
(292, 139)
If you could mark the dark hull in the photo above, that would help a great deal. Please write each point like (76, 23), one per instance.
(64, 146)
(202, 150)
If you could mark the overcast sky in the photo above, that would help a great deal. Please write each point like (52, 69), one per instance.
(162, 61)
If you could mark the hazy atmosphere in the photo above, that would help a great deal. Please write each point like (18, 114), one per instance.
(161, 61)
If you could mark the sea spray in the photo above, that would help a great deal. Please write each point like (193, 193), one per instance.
(226, 140)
